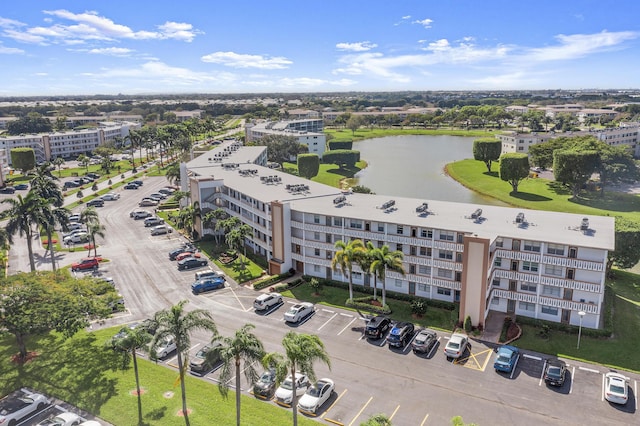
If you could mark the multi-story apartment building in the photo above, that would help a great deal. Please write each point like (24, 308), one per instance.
(520, 142)
(308, 132)
(545, 265)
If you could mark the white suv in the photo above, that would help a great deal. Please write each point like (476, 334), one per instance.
(299, 312)
(267, 300)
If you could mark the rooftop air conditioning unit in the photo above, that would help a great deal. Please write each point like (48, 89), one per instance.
(520, 218)
(477, 214)
(584, 226)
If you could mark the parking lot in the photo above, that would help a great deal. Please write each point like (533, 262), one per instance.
(369, 377)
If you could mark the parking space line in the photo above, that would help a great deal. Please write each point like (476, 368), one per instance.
(346, 315)
(635, 392)
(573, 376)
(433, 349)
(544, 367)
(360, 412)
(424, 420)
(515, 365)
(537, 358)
(327, 310)
(602, 396)
(238, 299)
(588, 369)
(346, 326)
(327, 321)
(332, 405)
(394, 412)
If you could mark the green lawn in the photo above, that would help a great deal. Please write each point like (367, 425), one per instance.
(542, 194)
(83, 372)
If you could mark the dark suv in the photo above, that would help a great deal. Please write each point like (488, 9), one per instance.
(265, 387)
(377, 327)
(555, 372)
(205, 359)
(400, 335)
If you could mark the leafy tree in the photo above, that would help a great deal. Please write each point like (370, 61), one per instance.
(178, 324)
(574, 168)
(106, 165)
(61, 124)
(128, 342)
(36, 303)
(23, 214)
(541, 154)
(301, 352)
(487, 150)
(341, 157)
(243, 347)
(213, 218)
(235, 239)
(84, 161)
(386, 260)
(457, 421)
(173, 173)
(361, 189)
(281, 149)
(627, 249)
(345, 257)
(514, 167)
(33, 123)
(308, 165)
(354, 122)
(333, 145)
(23, 159)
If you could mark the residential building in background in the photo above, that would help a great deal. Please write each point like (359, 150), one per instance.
(308, 132)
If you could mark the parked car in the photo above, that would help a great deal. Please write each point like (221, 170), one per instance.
(21, 186)
(96, 202)
(86, 264)
(200, 275)
(400, 334)
(182, 249)
(131, 185)
(161, 230)
(137, 182)
(615, 388)
(158, 195)
(74, 218)
(13, 409)
(377, 327)
(85, 180)
(267, 300)
(298, 312)
(265, 387)
(80, 237)
(425, 341)
(93, 175)
(187, 254)
(165, 347)
(75, 226)
(316, 396)
(456, 345)
(555, 372)
(90, 423)
(111, 196)
(8, 190)
(75, 231)
(140, 214)
(63, 419)
(506, 358)
(207, 284)
(284, 394)
(191, 262)
(153, 221)
(71, 184)
(166, 191)
(205, 359)
(146, 202)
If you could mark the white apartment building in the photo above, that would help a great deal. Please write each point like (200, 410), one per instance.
(308, 132)
(544, 265)
(520, 142)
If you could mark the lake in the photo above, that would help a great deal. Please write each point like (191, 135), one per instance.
(413, 166)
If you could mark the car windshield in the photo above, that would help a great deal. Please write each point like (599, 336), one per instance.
(504, 358)
(453, 345)
(553, 371)
(287, 384)
(292, 311)
(421, 338)
(315, 390)
(615, 388)
(267, 377)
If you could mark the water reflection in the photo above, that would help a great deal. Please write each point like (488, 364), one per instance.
(413, 166)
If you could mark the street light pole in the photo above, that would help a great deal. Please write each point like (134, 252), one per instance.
(581, 314)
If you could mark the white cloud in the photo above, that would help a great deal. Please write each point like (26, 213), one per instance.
(162, 74)
(10, 23)
(303, 82)
(580, 45)
(179, 31)
(424, 22)
(4, 50)
(238, 60)
(111, 51)
(41, 74)
(361, 46)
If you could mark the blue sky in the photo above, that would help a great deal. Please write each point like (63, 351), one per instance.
(67, 47)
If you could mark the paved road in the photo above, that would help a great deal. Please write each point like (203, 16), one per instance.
(370, 378)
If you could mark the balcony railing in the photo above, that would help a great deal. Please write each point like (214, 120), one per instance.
(590, 308)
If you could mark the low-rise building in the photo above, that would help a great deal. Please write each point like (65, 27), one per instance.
(307, 132)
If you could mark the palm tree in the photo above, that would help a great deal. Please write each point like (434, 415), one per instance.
(214, 217)
(383, 260)
(244, 346)
(44, 186)
(128, 341)
(178, 324)
(235, 239)
(173, 173)
(95, 228)
(48, 219)
(23, 214)
(365, 260)
(345, 257)
(301, 351)
(83, 161)
(136, 141)
(58, 162)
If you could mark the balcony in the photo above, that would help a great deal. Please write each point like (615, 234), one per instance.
(590, 308)
(548, 280)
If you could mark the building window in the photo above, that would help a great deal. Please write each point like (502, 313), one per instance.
(550, 310)
(549, 290)
(556, 249)
(398, 283)
(399, 230)
(316, 268)
(317, 252)
(445, 273)
(553, 270)
(496, 282)
(356, 225)
(444, 291)
(316, 219)
(526, 306)
(532, 246)
(380, 227)
(399, 247)
(337, 221)
(356, 275)
(497, 262)
(530, 266)
(446, 235)
(316, 236)
(425, 251)
(424, 270)
(445, 254)
(426, 233)
(495, 300)
(423, 288)
(526, 286)
(499, 242)
(459, 257)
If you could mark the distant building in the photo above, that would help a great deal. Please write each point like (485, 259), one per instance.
(307, 132)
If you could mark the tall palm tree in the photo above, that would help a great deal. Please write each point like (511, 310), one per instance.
(365, 261)
(128, 341)
(48, 218)
(244, 346)
(301, 351)
(95, 229)
(345, 257)
(45, 186)
(213, 218)
(236, 237)
(386, 260)
(23, 214)
(89, 215)
(178, 324)
(58, 162)
(173, 173)
(136, 141)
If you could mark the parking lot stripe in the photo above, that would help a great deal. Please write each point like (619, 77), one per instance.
(433, 349)
(346, 326)
(360, 412)
(424, 420)
(238, 299)
(327, 322)
(327, 310)
(394, 412)
(544, 367)
(573, 375)
(635, 391)
(602, 399)
(346, 315)
(515, 365)
(537, 358)
(588, 369)
(332, 405)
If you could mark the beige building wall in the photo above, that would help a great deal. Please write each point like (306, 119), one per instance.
(473, 295)
(277, 238)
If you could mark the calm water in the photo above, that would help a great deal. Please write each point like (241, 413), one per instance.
(413, 166)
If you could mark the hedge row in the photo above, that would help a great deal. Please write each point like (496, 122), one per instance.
(364, 303)
(266, 282)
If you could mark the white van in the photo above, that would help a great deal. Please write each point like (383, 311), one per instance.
(161, 230)
(209, 274)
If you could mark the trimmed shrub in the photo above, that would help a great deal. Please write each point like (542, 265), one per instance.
(418, 307)
(333, 145)
(467, 324)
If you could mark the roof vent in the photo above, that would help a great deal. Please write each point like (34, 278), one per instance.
(339, 200)
(584, 226)
(478, 214)
(388, 204)
(422, 208)
(520, 218)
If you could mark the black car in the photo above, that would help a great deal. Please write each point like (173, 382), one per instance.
(265, 387)
(555, 372)
(377, 327)
(96, 202)
(400, 334)
(93, 175)
(137, 182)
(424, 341)
(205, 359)
(182, 249)
(21, 186)
(191, 262)
(131, 185)
(8, 190)
(71, 184)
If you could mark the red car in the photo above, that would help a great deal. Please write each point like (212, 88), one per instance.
(85, 264)
(187, 254)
